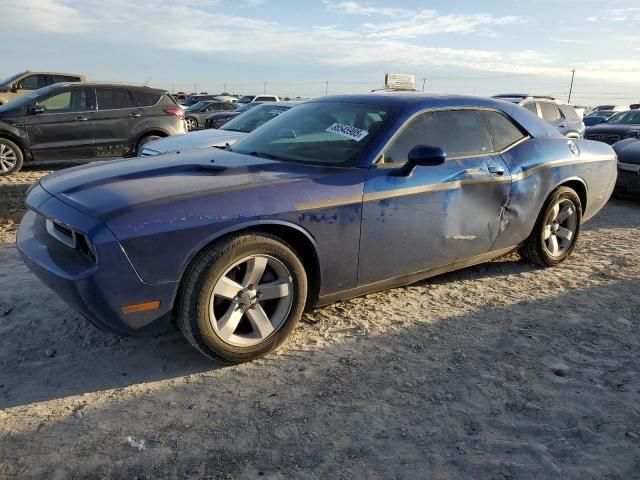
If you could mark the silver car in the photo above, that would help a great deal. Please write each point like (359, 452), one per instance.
(228, 134)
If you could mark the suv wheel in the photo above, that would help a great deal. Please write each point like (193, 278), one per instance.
(11, 157)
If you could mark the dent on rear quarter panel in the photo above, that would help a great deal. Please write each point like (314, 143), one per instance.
(532, 160)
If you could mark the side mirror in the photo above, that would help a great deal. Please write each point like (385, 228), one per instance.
(423, 155)
(15, 87)
(36, 109)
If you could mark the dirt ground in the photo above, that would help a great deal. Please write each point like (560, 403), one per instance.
(500, 371)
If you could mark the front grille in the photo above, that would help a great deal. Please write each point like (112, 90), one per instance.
(599, 137)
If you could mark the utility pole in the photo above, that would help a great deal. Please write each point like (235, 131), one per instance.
(264, 89)
(195, 88)
(173, 88)
(326, 88)
(573, 74)
(424, 80)
(225, 88)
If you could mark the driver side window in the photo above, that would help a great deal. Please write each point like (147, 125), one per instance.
(69, 101)
(458, 132)
(33, 82)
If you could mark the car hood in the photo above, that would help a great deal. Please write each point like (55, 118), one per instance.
(606, 129)
(200, 139)
(106, 190)
(628, 150)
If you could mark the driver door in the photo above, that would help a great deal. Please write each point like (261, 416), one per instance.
(437, 215)
(64, 128)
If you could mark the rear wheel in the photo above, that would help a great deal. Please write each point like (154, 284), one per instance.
(191, 122)
(557, 229)
(242, 297)
(144, 140)
(11, 157)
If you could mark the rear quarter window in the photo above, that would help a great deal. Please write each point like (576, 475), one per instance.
(146, 99)
(549, 111)
(504, 132)
(114, 99)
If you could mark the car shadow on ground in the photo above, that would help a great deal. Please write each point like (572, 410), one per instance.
(538, 389)
(80, 359)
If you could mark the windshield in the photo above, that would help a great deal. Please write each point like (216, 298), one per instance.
(254, 118)
(328, 133)
(197, 106)
(632, 118)
(246, 98)
(10, 79)
(603, 107)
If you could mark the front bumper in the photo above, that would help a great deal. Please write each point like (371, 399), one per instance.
(97, 288)
(628, 178)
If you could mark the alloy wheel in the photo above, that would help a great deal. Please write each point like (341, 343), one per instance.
(8, 158)
(251, 300)
(560, 227)
(191, 124)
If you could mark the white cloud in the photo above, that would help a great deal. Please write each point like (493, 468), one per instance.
(192, 27)
(429, 22)
(357, 8)
(566, 40)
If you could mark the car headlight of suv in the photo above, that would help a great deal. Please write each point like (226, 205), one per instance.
(632, 134)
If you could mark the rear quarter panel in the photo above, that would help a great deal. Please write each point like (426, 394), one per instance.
(538, 166)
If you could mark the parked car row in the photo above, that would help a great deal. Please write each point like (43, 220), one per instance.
(224, 136)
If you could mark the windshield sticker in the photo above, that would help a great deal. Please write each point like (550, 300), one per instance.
(346, 131)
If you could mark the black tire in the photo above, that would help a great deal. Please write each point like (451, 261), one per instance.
(144, 140)
(195, 123)
(192, 305)
(534, 250)
(17, 157)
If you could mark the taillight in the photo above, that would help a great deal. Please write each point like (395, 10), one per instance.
(178, 112)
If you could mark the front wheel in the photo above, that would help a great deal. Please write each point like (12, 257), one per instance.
(242, 297)
(556, 232)
(11, 157)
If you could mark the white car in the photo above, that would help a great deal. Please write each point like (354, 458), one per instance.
(259, 98)
(226, 98)
(228, 134)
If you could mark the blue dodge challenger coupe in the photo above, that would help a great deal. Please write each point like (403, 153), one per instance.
(338, 197)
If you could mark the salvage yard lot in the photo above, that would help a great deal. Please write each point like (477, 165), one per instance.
(497, 371)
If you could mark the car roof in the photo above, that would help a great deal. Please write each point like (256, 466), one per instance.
(39, 72)
(413, 102)
(141, 88)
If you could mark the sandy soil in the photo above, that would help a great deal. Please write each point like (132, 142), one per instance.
(500, 371)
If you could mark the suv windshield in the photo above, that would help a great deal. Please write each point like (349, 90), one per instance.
(326, 133)
(632, 117)
(255, 117)
(10, 80)
(246, 99)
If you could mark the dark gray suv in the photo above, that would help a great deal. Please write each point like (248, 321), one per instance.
(84, 121)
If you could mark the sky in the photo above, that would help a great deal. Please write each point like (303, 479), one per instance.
(309, 47)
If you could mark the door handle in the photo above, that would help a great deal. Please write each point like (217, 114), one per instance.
(495, 170)
(135, 115)
(81, 119)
